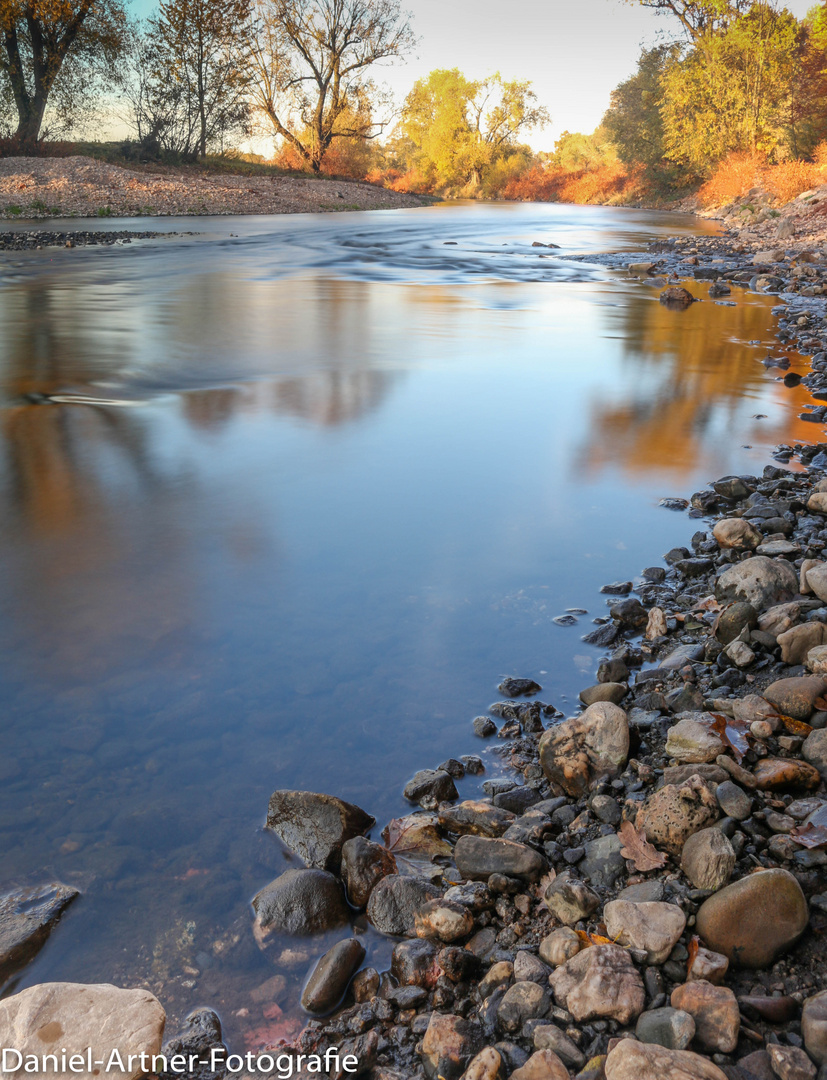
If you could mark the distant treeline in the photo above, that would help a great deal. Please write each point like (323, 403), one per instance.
(739, 90)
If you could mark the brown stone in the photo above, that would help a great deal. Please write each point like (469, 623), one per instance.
(785, 774)
(476, 818)
(796, 697)
(632, 1060)
(544, 1065)
(587, 748)
(653, 927)
(449, 1044)
(600, 981)
(674, 812)
(715, 1012)
(755, 920)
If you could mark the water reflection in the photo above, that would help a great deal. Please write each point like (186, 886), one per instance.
(348, 485)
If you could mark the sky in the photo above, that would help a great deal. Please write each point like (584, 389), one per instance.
(574, 51)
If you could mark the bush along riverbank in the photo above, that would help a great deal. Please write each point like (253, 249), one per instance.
(646, 897)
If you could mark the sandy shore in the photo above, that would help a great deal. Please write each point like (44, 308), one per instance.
(84, 187)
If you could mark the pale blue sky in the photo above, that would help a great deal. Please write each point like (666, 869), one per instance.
(574, 51)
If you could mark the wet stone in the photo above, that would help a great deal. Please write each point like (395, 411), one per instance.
(316, 826)
(330, 977)
(27, 918)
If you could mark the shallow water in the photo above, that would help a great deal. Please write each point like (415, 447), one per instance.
(338, 477)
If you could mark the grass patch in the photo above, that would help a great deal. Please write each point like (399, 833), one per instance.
(14, 210)
(104, 211)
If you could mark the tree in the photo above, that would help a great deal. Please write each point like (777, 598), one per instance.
(459, 127)
(312, 59)
(732, 94)
(47, 44)
(192, 74)
(633, 121)
(699, 18)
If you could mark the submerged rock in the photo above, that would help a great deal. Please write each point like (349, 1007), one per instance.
(27, 918)
(300, 902)
(316, 826)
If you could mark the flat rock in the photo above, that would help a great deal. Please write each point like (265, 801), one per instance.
(587, 748)
(759, 581)
(27, 917)
(755, 920)
(330, 977)
(300, 902)
(600, 982)
(395, 901)
(602, 863)
(315, 826)
(476, 818)
(674, 812)
(715, 1012)
(652, 927)
(570, 900)
(733, 800)
(796, 697)
(478, 857)
(692, 742)
(99, 1017)
(631, 1060)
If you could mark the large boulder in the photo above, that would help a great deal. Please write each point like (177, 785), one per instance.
(759, 581)
(300, 902)
(395, 901)
(330, 977)
(631, 1060)
(315, 826)
(98, 1018)
(478, 857)
(600, 982)
(673, 813)
(586, 749)
(653, 928)
(755, 920)
(27, 917)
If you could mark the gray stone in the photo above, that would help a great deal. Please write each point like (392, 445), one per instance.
(550, 1037)
(734, 802)
(530, 968)
(672, 1028)
(814, 1026)
(523, 1001)
(814, 750)
(478, 857)
(603, 864)
(759, 581)
(570, 900)
(430, 787)
(708, 859)
(395, 901)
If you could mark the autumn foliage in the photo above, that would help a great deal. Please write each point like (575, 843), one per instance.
(738, 174)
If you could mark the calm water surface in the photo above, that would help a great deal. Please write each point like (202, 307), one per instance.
(344, 476)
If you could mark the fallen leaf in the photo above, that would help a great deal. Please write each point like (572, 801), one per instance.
(638, 849)
(588, 939)
(821, 704)
(733, 734)
(813, 834)
(795, 727)
(692, 949)
(709, 603)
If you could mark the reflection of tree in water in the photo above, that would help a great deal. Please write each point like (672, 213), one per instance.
(694, 381)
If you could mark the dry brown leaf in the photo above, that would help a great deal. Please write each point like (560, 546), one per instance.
(821, 704)
(692, 949)
(709, 603)
(637, 848)
(588, 939)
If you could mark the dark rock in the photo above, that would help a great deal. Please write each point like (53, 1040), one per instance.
(478, 857)
(300, 902)
(198, 1038)
(519, 687)
(315, 826)
(394, 902)
(330, 977)
(414, 963)
(27, 917)
(364, 863)
(429, 787)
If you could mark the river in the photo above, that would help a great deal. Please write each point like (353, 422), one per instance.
(314, 486)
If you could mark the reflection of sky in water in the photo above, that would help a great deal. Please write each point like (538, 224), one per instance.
(350, 493)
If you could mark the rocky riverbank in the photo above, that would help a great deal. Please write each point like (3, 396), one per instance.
(644, 894)
(647, 895)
